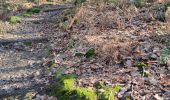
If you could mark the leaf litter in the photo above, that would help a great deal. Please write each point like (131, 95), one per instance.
(119, 46)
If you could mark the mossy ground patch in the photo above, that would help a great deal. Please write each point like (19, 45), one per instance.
(67, 89)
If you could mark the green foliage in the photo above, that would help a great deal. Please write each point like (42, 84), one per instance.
(66, 89)
(90, 53)
(34, 10)
(99, 85)
(69, 84)
(142, 64)
(85, 94)
(142, 68)
(31, 11)
(109, 93)
(14, 19)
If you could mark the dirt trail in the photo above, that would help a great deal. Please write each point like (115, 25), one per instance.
(22, 50)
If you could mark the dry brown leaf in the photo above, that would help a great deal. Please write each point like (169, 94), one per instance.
(164, 80)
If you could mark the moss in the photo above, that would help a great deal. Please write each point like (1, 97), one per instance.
(31, 11)
(64, 87)
(14, 19)
(85, 94)
(68, 84)
(67, 89)
(109, 93)
(34, 10)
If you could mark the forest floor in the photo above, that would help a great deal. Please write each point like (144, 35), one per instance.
(24, 48)
(127, 48)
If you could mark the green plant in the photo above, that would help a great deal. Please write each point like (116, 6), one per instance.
(31, 11)
(34, 10)
(109, 93)
(142, 68)
(90, 53)
(99, 85)
(85, 94)
(14, 19)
